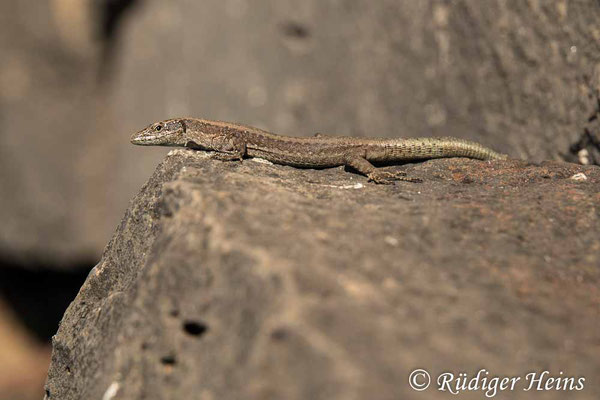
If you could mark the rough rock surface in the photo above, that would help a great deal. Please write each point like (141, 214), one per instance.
(258, 281)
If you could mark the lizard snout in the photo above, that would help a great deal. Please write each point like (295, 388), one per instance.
(141, 138)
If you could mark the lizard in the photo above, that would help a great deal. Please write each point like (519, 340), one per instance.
(231, 142)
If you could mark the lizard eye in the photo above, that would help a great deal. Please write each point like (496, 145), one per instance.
(158, 128)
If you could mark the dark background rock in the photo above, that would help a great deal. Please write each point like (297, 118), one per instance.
(243, 281)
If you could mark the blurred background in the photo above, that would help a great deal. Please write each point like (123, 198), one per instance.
(78, 77)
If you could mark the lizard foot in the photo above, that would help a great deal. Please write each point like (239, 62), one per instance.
(388, 178)
(413, 180)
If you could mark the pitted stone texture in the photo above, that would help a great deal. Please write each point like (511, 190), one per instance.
(256, 281)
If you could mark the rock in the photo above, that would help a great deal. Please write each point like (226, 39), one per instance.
(259, 281)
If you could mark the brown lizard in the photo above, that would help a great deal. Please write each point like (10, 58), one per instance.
(234, 142)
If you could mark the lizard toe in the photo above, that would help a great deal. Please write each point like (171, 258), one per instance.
(388, 178)
(382, 177)
(413, 180)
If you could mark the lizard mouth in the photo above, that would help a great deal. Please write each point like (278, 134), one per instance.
(137, 140)
(140, 138)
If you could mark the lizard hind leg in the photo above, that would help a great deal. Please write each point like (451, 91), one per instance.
(387, 177)
(375, 174)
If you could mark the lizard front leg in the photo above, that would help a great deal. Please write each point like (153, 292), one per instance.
(229, 148)
(375, 174)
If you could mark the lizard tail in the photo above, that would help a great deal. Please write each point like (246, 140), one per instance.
(444, 147)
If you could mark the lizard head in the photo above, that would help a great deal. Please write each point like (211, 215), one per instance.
(165, 133)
